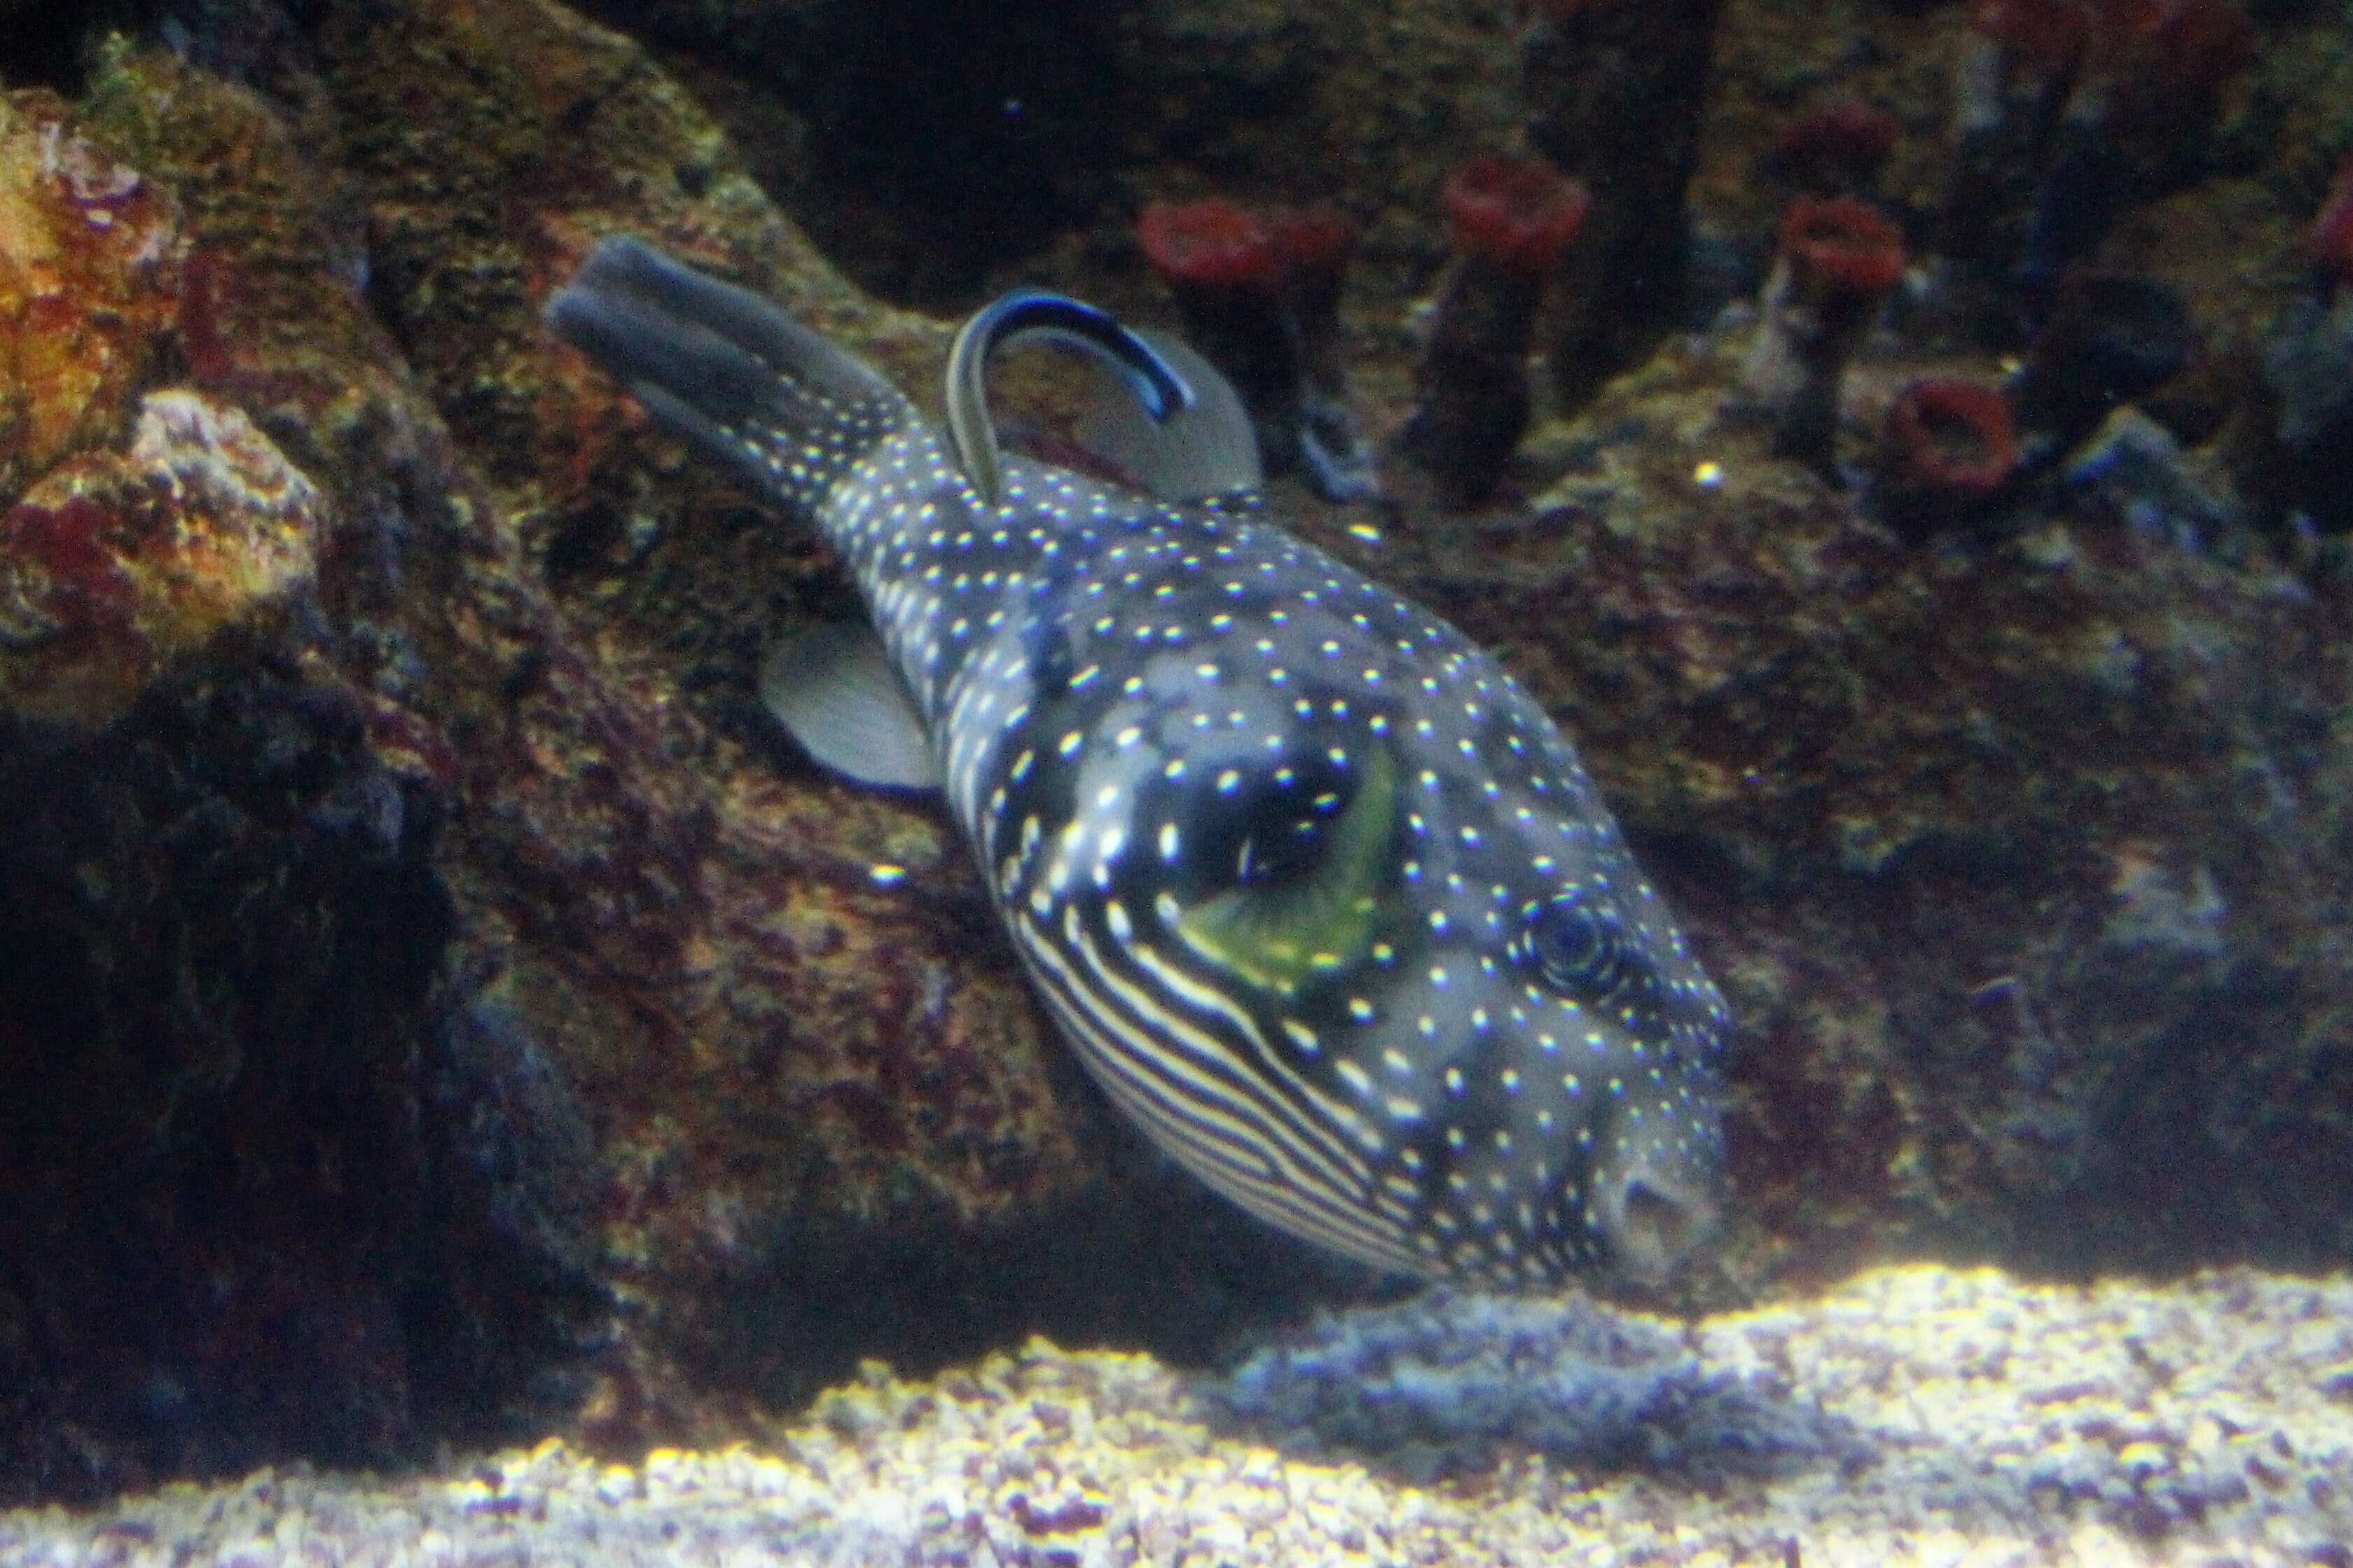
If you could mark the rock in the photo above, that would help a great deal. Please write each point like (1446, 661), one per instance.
(90, 272)
(114, 566)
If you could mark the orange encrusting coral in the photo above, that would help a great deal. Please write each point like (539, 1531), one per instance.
(115, 557)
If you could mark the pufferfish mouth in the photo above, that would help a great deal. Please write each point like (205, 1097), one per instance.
(1651, 1212)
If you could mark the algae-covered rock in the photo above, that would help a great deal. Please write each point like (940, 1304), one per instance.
(2021, 856)
(89, 275)
(114, 565)
(248, 1223)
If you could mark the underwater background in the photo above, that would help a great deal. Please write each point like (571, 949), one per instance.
(471, 1088)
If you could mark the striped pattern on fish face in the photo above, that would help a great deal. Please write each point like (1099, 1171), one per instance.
(1325, 903)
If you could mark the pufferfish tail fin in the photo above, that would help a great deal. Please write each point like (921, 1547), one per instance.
(742, 380)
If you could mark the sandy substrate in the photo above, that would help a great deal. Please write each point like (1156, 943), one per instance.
(1915, 1415)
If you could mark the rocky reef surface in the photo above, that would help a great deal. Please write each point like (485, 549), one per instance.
(436, 1006)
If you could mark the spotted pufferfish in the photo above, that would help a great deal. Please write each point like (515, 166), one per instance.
(1323, 901)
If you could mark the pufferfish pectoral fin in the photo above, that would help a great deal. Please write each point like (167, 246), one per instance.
(834, 690)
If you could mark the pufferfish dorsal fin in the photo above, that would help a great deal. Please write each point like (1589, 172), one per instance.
(1205, 451)
(834, 690)
(1170, 421)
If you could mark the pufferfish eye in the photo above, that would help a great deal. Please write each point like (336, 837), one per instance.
(1585, 953)
(1300, 860)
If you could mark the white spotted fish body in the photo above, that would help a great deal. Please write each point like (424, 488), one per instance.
(1325, 903)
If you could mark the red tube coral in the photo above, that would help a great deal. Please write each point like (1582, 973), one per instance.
(2017, 62)
(1510, 220)
(1842, 247)
(1519, 212)
(1317, 245)
(1837, 147)
(1208, 244)
(1314, 247)
(1260, 297)
(1838, 259)
(2171, 58)
(2043, 35)
(1222, 262)
(1949, 449)
(2185, 44)
(1312, 239)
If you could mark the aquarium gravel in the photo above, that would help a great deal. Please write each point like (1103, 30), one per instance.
(1976, 1419)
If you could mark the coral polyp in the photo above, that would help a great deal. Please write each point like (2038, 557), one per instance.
(1511, 221)
(1949, 451)
(1837, 259)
